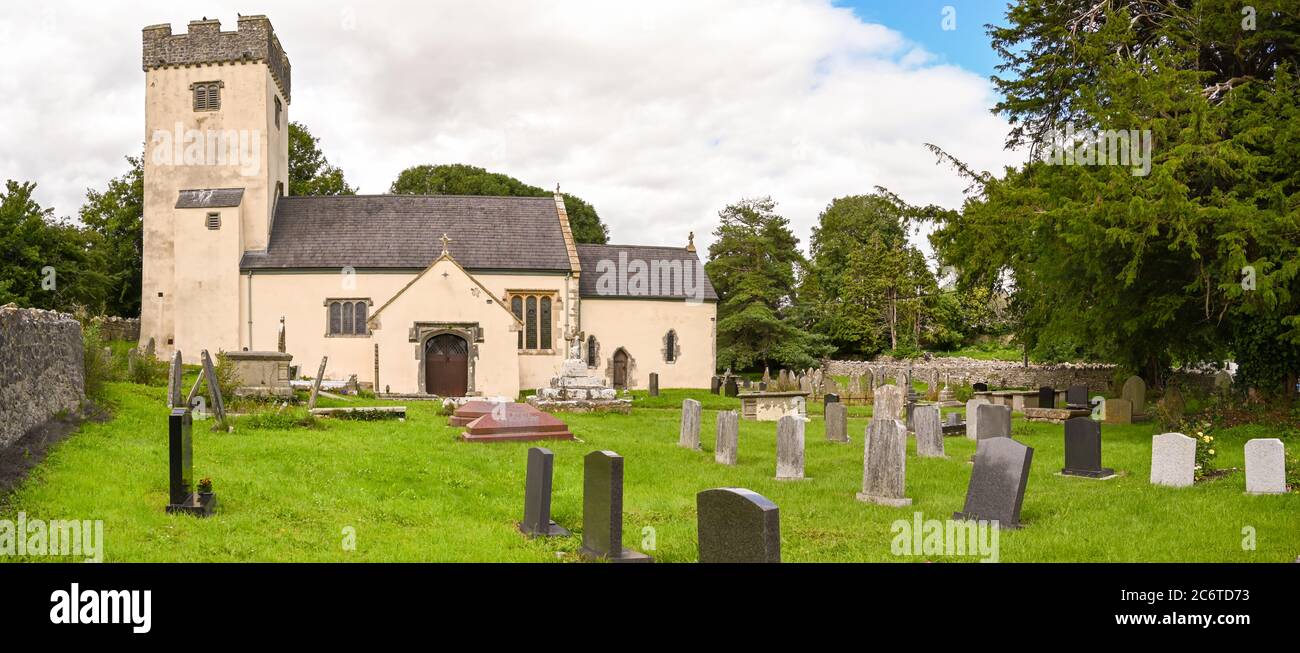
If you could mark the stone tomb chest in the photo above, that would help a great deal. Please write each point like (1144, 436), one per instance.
(772, 406)
(261, 373)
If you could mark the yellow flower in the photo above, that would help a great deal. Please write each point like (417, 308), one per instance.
(1211, 452)
(1199, 434)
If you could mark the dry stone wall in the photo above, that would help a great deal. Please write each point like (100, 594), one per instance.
(1006, 374)
(41, 369)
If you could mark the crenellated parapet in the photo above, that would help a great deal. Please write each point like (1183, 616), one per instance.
(205, 44)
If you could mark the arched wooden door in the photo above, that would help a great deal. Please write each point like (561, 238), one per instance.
(620, 369)
(446, 365)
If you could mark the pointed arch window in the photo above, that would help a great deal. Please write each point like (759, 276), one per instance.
(672, 348)
(536, 310)
(347, 317)
(593, 352)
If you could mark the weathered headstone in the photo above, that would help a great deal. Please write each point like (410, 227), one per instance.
(1265, 466)
(992, 421)
(1046, 397)
(1173, 460)
(888, 403)
(837, 422)
(737, 525)
(1117, 411)
(214, 388)
(1076, 396)
(315, 384)
(1174, 404)
(689, 436)
(654, 384)
(279, 345)
(830, 398)
(537, 496)
(180, 456)
(151, 347)
(767, 375)
(789, 448)
(1135, 392)
(884, 465)
(728, 437)
(997, 482)
(980, 387)
(929, 432)
(715, 383)
(132, 357)
(174, 373)
(731, 389)
(1083, 449)
(972, 407)
(1222, 383)
(602, 509)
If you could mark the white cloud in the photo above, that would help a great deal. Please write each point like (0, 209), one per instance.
(659, 115)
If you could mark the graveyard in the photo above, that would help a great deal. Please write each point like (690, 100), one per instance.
(340, 490)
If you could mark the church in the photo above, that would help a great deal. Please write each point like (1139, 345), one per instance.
(415, 295)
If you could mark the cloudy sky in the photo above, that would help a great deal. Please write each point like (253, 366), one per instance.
(658, 114)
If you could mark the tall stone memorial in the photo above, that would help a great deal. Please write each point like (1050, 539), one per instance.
(737, 525)
(180, 457)
(728, 437)
(602, 510)
(689, 435)
(888, 403)
(537, 496)
(884, 467)
(997, 482)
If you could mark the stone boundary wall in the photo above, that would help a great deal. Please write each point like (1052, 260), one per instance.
(1008, 374)
(119, 328)
(41, 369)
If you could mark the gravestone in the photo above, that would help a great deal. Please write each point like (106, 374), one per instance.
(689, 436)
(602, 509)
(1173, 460)
(731, 389)
(992, 421)
(789, 448)
(762, 386)
(972, 407)
(1046, 397)
(315, 383)
(1135, 392)
(1083, 449)
(728, 437)
(151, 347)
(929, 432)
(832, 388)
(1117, 411)
(654, 384)
(131, 357)
(1174, 404)
(884, 464)
(767, 375)
(210, 375)
(715, 383)
(1222, 383)
(1076, 396)
(737, 525)
(180, 458)
(279, 345)
(837, 422)
(537, 496)
(980, 387)
(1265, 466)
(830, 398)
(174, 373)
(888, 403)
(747, 384)
(997, 482)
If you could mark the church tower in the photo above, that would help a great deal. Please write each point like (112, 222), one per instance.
(216, 162)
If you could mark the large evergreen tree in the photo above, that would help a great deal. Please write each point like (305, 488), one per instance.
(753, 265)
(461, 179)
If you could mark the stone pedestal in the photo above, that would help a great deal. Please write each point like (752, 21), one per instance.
(574, 390)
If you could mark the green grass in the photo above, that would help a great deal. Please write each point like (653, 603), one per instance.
(985, 352)
(412, 492)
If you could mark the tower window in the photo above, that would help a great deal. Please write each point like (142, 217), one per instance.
(214, 221)
(671, 348)
(207, 95)
(278, 108)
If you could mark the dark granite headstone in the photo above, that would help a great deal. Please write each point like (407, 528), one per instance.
(731, 389)
(537, 496)
(602, 509)
(180, 457)
(1046, 397)
(981, 387)
(997, 482)
(714, 384)
(762, 386)
(830, 398)
(1083, 449)
(654, 384)
(737, 525)
(1076, 396)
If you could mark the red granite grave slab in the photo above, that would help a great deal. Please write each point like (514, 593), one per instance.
(516, 422)
(470, 411)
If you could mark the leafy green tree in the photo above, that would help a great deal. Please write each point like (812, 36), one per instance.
(752, 264)
(46, 262)
(310, 173)
(461, 179)
(1151, 264)
(115, 219)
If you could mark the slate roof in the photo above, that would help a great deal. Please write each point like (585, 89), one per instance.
(405, 231)
(591, 256)
(210, 198)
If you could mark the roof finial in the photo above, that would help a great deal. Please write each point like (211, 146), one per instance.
(445, 240)
(690, 242)
(557, 188)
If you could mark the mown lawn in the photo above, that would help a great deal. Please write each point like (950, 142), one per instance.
(412, 492)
